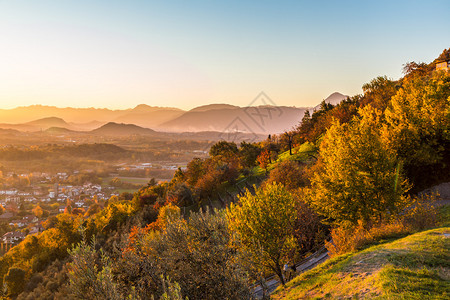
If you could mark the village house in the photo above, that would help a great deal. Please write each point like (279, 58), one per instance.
(445, 65)
(12, 199)
(8, 192)
(79, 204)
(6, 216)
(13, 237)
(31, 219)
(36, 229)
(18, 223)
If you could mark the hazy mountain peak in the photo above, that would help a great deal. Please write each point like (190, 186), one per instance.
(48, 121)
(335, 98)
(148, 108)
(214, 106)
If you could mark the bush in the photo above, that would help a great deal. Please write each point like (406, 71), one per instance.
(418, 216)
(289, 173)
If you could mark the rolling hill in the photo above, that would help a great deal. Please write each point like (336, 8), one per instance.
(45, 123)
(116, 129)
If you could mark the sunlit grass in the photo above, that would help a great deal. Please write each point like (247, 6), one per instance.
(413, 267)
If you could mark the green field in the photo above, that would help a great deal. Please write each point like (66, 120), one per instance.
(134, 180)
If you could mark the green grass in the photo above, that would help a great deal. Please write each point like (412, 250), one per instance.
(444, 213)
(413, 267)
(134, 180)
(300, 153)
(132, 191)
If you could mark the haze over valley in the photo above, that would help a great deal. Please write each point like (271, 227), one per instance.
(258, 119)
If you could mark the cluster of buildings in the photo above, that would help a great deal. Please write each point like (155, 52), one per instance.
(56, 192)
(24, 226)
(39, 191)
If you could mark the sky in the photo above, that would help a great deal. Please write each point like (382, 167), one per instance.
(118, 54)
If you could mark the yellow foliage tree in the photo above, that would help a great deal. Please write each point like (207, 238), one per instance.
(168, 214)
(361, 178)
(37, 211)
(418, 119)
(263, 225)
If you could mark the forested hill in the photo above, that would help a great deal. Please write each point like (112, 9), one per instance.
(348, 172)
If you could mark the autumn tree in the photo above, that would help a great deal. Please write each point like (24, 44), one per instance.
(263, 226)
(309, 230)
(15, 281)
(264, 159)
(378, 92)
(418, 125)
(194, 170)
(289, 173)
(37, 211)
(195, 253)
(361, 178)
(181, 195)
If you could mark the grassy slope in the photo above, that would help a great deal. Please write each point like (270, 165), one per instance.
(414, 267)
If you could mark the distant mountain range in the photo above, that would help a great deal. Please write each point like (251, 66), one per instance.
(264, 119)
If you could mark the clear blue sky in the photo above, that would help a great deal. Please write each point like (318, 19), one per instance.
(119, 54)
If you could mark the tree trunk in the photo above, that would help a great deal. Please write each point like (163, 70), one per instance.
(280, 274)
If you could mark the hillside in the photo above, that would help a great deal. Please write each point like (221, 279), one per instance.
(59, 130)
(413, 267)
(121, 129)
(46, 123)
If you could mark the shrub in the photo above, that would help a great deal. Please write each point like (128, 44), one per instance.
(289, 173)
(421, 214)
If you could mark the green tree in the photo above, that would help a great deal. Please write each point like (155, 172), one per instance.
(263, 224)
(223, 148)
(90, 279)
(249, 153)
(361, 178)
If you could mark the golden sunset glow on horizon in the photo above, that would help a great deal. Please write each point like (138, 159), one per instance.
(120, 55)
